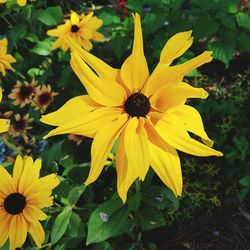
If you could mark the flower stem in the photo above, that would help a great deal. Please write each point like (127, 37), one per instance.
(10, 145)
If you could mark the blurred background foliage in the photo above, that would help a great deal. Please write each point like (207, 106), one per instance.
(214, 208)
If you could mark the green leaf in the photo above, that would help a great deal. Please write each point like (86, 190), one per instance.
(17, 33)
(243, 20)
(119, 44)
(159, 197)
(108, 220)
(75, 194)
(43, 48)
(60, 225)
(50, 16)
(244, 42)
(153, 22)
(151, 218)
(229, 22)
(245, 181)
(76, 227)
(222, 51)
(54, 152)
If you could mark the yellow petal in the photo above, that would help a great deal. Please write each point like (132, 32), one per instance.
(98, 37)
(3, 46)
(27, 174)
(18, 169)
(176, 46)
(173, 131)
(21, 2)
(102, 145)
(7, 184)
(74, 18)
(134, 71)
(75, 107)
(4, 125)
(37, 233)
(32, 213)
(102, 69)
(4, 229)
(86, 18)
(48, 183)
(136, 146)
(171, 95)
(17, 231)
(87, 125)
(163, 74)
(126, 174)
(103, 91)
(167, 166)
(193, 122)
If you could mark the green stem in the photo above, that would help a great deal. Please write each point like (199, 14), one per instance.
(10, 145)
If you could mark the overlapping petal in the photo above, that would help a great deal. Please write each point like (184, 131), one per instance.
(134, 71)
(102, 145)
(98, 88)
(173, 130)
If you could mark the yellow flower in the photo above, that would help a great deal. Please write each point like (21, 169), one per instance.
(4, 123)
(146, 112)
(81, 28)
(21, 201)
(5, 59)
(19, 2)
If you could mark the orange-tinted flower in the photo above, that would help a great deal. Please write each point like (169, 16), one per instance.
(22, 93)
(20, 124)
(76, 138)
(44, 96)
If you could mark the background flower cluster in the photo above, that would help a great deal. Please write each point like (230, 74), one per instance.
(42, 81)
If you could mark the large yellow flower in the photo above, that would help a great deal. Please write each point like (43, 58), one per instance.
(22, 196)
(19, 2)
(146, 112)
(5, 59)
(81, 28)
(4, 123)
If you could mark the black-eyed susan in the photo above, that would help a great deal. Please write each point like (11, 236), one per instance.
(4, 123)
(81, 28)
(22, 200)
(22, 93)
(147, 113)
(44, 96)
(20, 124)
(5, 59)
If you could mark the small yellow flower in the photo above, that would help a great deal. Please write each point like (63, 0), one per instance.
(19, 2)
(22, 198)
(146, 113)
(22, 93)
(81, 28)
(5, 59)
(4, 123)
(44, 96)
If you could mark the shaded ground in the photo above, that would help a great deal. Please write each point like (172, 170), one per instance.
(227, 229)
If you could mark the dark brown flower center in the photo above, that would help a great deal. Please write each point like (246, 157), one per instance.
(137, 105)
(44, 98)
(14, 203)
(74, 28)
(25, 92)
(20, 125)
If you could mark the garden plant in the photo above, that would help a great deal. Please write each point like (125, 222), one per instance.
(124, 124)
